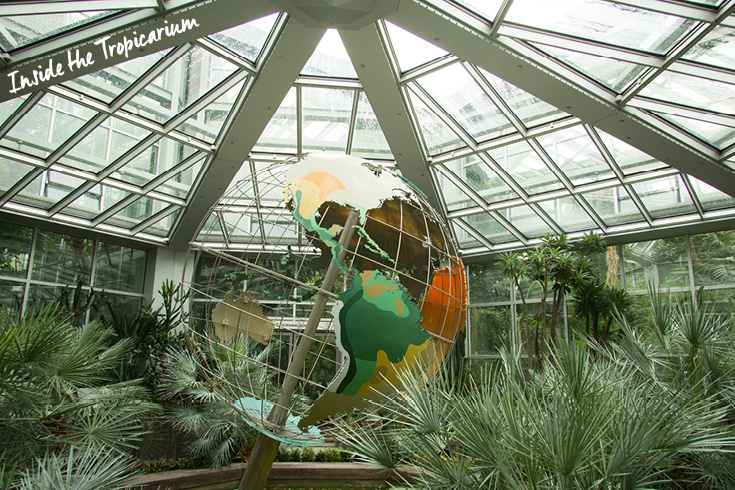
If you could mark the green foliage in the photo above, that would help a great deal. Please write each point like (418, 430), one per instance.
(57, 393)
(653, 410)
(169, 464)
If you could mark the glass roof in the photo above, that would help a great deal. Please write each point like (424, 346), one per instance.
(528, 116)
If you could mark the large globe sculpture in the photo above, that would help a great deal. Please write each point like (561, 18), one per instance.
(342, 273)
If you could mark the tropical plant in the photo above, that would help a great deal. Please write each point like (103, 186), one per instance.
(640, 413)
(56, 391)
(205, 379)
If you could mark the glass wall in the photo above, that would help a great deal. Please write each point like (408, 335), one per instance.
(680, 265)
(40, 267)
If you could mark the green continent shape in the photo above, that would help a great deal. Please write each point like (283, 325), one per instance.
(368, 325)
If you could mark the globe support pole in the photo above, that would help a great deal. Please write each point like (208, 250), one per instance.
(264, 451)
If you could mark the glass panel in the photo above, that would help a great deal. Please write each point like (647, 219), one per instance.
(720, 302)
(438, 136)
(330, 58)
(613, 74)
(631, 160)
(181, 183)
(528, 108)
(108, 83)
(692, 91)
(525, 220)
(368, 140)
(487, 283)
(476, 174)
(45, 127)
(62, 259)
(119, 268)
(20, 30)
(280, 133)
(576, 155)
(490, 328)
(486, 8)
(139, 210)
(247, 40)
(153, 161)
(15, 249)
(190, 77)
(207, 123)
(11, 297)
(490, 228)
(462, 98)
(716, 49)
(49, 188)
(710, 197)
(326, 118)
(715, 134)
(614, 206)
(31, 193)
(454, 197)
(411, 50)
(568, 214)
(211, 231)
(8, 107)
(663, 263)
(599, 20)
(526, 168)
(665, 197)
(11, 172)
(713, 258)
(163, 226)
(104, 145)
(96, 200)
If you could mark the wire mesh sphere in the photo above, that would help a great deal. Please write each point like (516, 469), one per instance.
(326, 277)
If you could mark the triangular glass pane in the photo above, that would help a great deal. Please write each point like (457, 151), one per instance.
(108, 83)
(477, 175)
(47, 125)
(631, 160)
(665, 197)
(568, 214)
(330, 58)
(716, 49)
(248, 39)
(411, 50)
(326, 118)
(716, 135)
(710, 197)
(526, 168)
(438, 136)
(486, 8)
(161, 156)
(163, 226)
(614, 206)
(206, 124)
(20, 30)
(211, 231)
(531, 110)
(180, 184)
(104, 145)
(11, 172)
(611, 73)
(576, 155)
(490, 228)
(599, 20)
(525, 220)
(280, 133)
(141, 209)
(454, 197)
(8, 107)
(96, 200)
(182, 83)
(692, 91)
(462, 98)
(368, 140)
